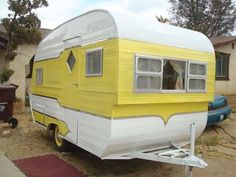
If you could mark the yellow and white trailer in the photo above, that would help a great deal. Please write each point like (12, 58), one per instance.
(116, 85)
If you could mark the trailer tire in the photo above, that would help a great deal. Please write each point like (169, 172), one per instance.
(13, 122)
(60, 143)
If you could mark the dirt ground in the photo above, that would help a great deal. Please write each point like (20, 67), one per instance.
(217, 148)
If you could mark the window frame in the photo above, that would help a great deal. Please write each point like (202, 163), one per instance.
(192, 76)
(222, 78)
(37, 79)
(101, 60)
(188, 76)
(185, 80)
(68, 67)
(143, 73)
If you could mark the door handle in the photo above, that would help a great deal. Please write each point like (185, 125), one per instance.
(76, 84)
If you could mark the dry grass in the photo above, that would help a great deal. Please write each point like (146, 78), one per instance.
(29, 140)
(232, 102)
(207, 141)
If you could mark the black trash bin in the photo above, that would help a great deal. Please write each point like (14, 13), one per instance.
(7, 97)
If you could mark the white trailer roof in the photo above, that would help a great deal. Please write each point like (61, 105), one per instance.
(99, 25)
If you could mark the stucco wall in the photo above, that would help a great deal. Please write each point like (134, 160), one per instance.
(25, 52)
(227, 87)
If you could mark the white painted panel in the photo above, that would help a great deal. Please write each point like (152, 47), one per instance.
(71, 119)
(134, 134)
(53, 109)
(109, 138)
(100, 25)
(94, 133)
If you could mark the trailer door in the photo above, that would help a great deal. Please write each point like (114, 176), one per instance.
(72, 94)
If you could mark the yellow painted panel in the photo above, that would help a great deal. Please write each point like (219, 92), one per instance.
(145, 48)
(46, 120)
(74, 89)
(162, 110)
(112, 94)
(102, 102)
(126, 91)
(38, 117)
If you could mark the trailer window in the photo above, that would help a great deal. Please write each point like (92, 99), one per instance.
(197, 84)
(174, 73)
(71, 62)
(148, 74)
(197, 76)
(94, 62)
(197, 69)
(158, 74)
(39, 76)
(167, 75)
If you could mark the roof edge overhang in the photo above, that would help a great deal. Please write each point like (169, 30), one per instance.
(222, 43)
(90, 27)
(77, 32)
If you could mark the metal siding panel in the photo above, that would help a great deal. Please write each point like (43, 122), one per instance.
(126, 93)
(95, 94)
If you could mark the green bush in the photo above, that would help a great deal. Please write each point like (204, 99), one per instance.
(5, 75)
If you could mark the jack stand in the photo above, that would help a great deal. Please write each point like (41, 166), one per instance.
(175, 155)
(192, 145)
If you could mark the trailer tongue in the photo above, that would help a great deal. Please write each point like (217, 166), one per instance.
(175, 155)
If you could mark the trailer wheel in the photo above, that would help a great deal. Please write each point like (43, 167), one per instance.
(13, 122)
(60, 143)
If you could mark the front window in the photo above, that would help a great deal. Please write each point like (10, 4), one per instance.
(174, 75)
(163, 74)
(222, 66)
(148, 74)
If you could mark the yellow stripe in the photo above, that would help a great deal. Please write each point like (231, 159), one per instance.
(165, 111)
(47, 120)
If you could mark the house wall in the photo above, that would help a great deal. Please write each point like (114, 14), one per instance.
(227, 87)
(25, 52)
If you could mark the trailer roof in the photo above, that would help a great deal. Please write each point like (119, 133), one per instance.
(99, 25)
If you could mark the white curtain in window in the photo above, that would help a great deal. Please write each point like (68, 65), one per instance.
(179, 67)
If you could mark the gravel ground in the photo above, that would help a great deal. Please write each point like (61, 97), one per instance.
(217, 149)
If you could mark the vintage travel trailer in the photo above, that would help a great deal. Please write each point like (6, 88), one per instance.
(115, 84)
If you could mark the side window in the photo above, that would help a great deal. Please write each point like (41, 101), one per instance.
(169, 75)
(222, 66)
(148, 74)
(197, 76)
(39, 76)
(94, 62)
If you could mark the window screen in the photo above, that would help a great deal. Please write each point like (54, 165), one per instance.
(197, 76)
(197, 69)
(149, 82)
(148, 74)
(197, 84)
(39, 76)
(149, 65)
(167, 74)
(94, 63)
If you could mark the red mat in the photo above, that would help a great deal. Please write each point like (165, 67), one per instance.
(47, 166)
